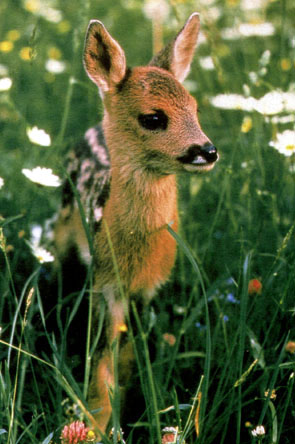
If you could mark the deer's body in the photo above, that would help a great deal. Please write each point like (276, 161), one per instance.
(152, 132)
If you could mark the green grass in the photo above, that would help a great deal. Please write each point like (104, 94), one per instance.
(237, 224)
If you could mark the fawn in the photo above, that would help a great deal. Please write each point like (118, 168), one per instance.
(151, 131)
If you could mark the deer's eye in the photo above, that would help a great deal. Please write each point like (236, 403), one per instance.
(155, 121)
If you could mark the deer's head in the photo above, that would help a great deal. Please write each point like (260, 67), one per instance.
(151, 121)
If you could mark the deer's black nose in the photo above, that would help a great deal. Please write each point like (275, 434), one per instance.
(199, 155)
(209, 152)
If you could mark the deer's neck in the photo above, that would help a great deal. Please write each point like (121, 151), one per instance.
(141, 201)
(137, 214)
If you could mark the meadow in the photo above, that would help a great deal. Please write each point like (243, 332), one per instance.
(216, 354)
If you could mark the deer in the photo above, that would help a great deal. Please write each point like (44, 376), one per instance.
(125, 173)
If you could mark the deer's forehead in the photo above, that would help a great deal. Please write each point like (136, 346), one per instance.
(156, 85)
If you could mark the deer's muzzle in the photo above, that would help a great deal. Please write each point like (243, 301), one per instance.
(199, 157)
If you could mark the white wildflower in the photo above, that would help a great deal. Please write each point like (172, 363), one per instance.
(36, 234)
(271, 103)
(230, 33)
(156, 9)
(207, 63)
(247, 90)
(213, 13)
(248, 5)
(38, 251)
(55, 66)
(289, 101)
(44, 9)
(248, 30)
(52, 15)
(42, 254)
(265, 58)
(285, 142)
(256, 29)
(233, 101)
(38, 136)
(263, 71)
(253, 77)
(1, 182)
(42, 176)
(259, 431)
(290, 118)
(5, 84)
(274, 102)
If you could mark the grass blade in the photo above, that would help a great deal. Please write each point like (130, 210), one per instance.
(196, 269)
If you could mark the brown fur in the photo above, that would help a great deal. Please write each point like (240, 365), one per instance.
(143, 193)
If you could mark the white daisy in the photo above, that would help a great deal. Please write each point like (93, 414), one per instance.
(233, 101)
(290, 118)
(5, 84)
(248, 30)
(41, 254)
(258, 431)
(42, 176)
(36, 234)
(38, 136)
(289, 101)
(207, 63)
(55, 66)
(256, 29)
(274, 102)
(285, 142)
(271, 103)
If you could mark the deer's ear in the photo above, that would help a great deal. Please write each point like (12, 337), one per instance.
(177, 56)
(104, 59)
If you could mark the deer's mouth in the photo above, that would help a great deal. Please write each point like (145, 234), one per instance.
(199, 158)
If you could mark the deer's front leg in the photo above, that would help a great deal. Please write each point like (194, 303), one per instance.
(103, 368)
(102, 381)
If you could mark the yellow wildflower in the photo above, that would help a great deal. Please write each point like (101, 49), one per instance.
(26, 53)
(13, 35)
(6, 46)
(286, 64)
(247, 124)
